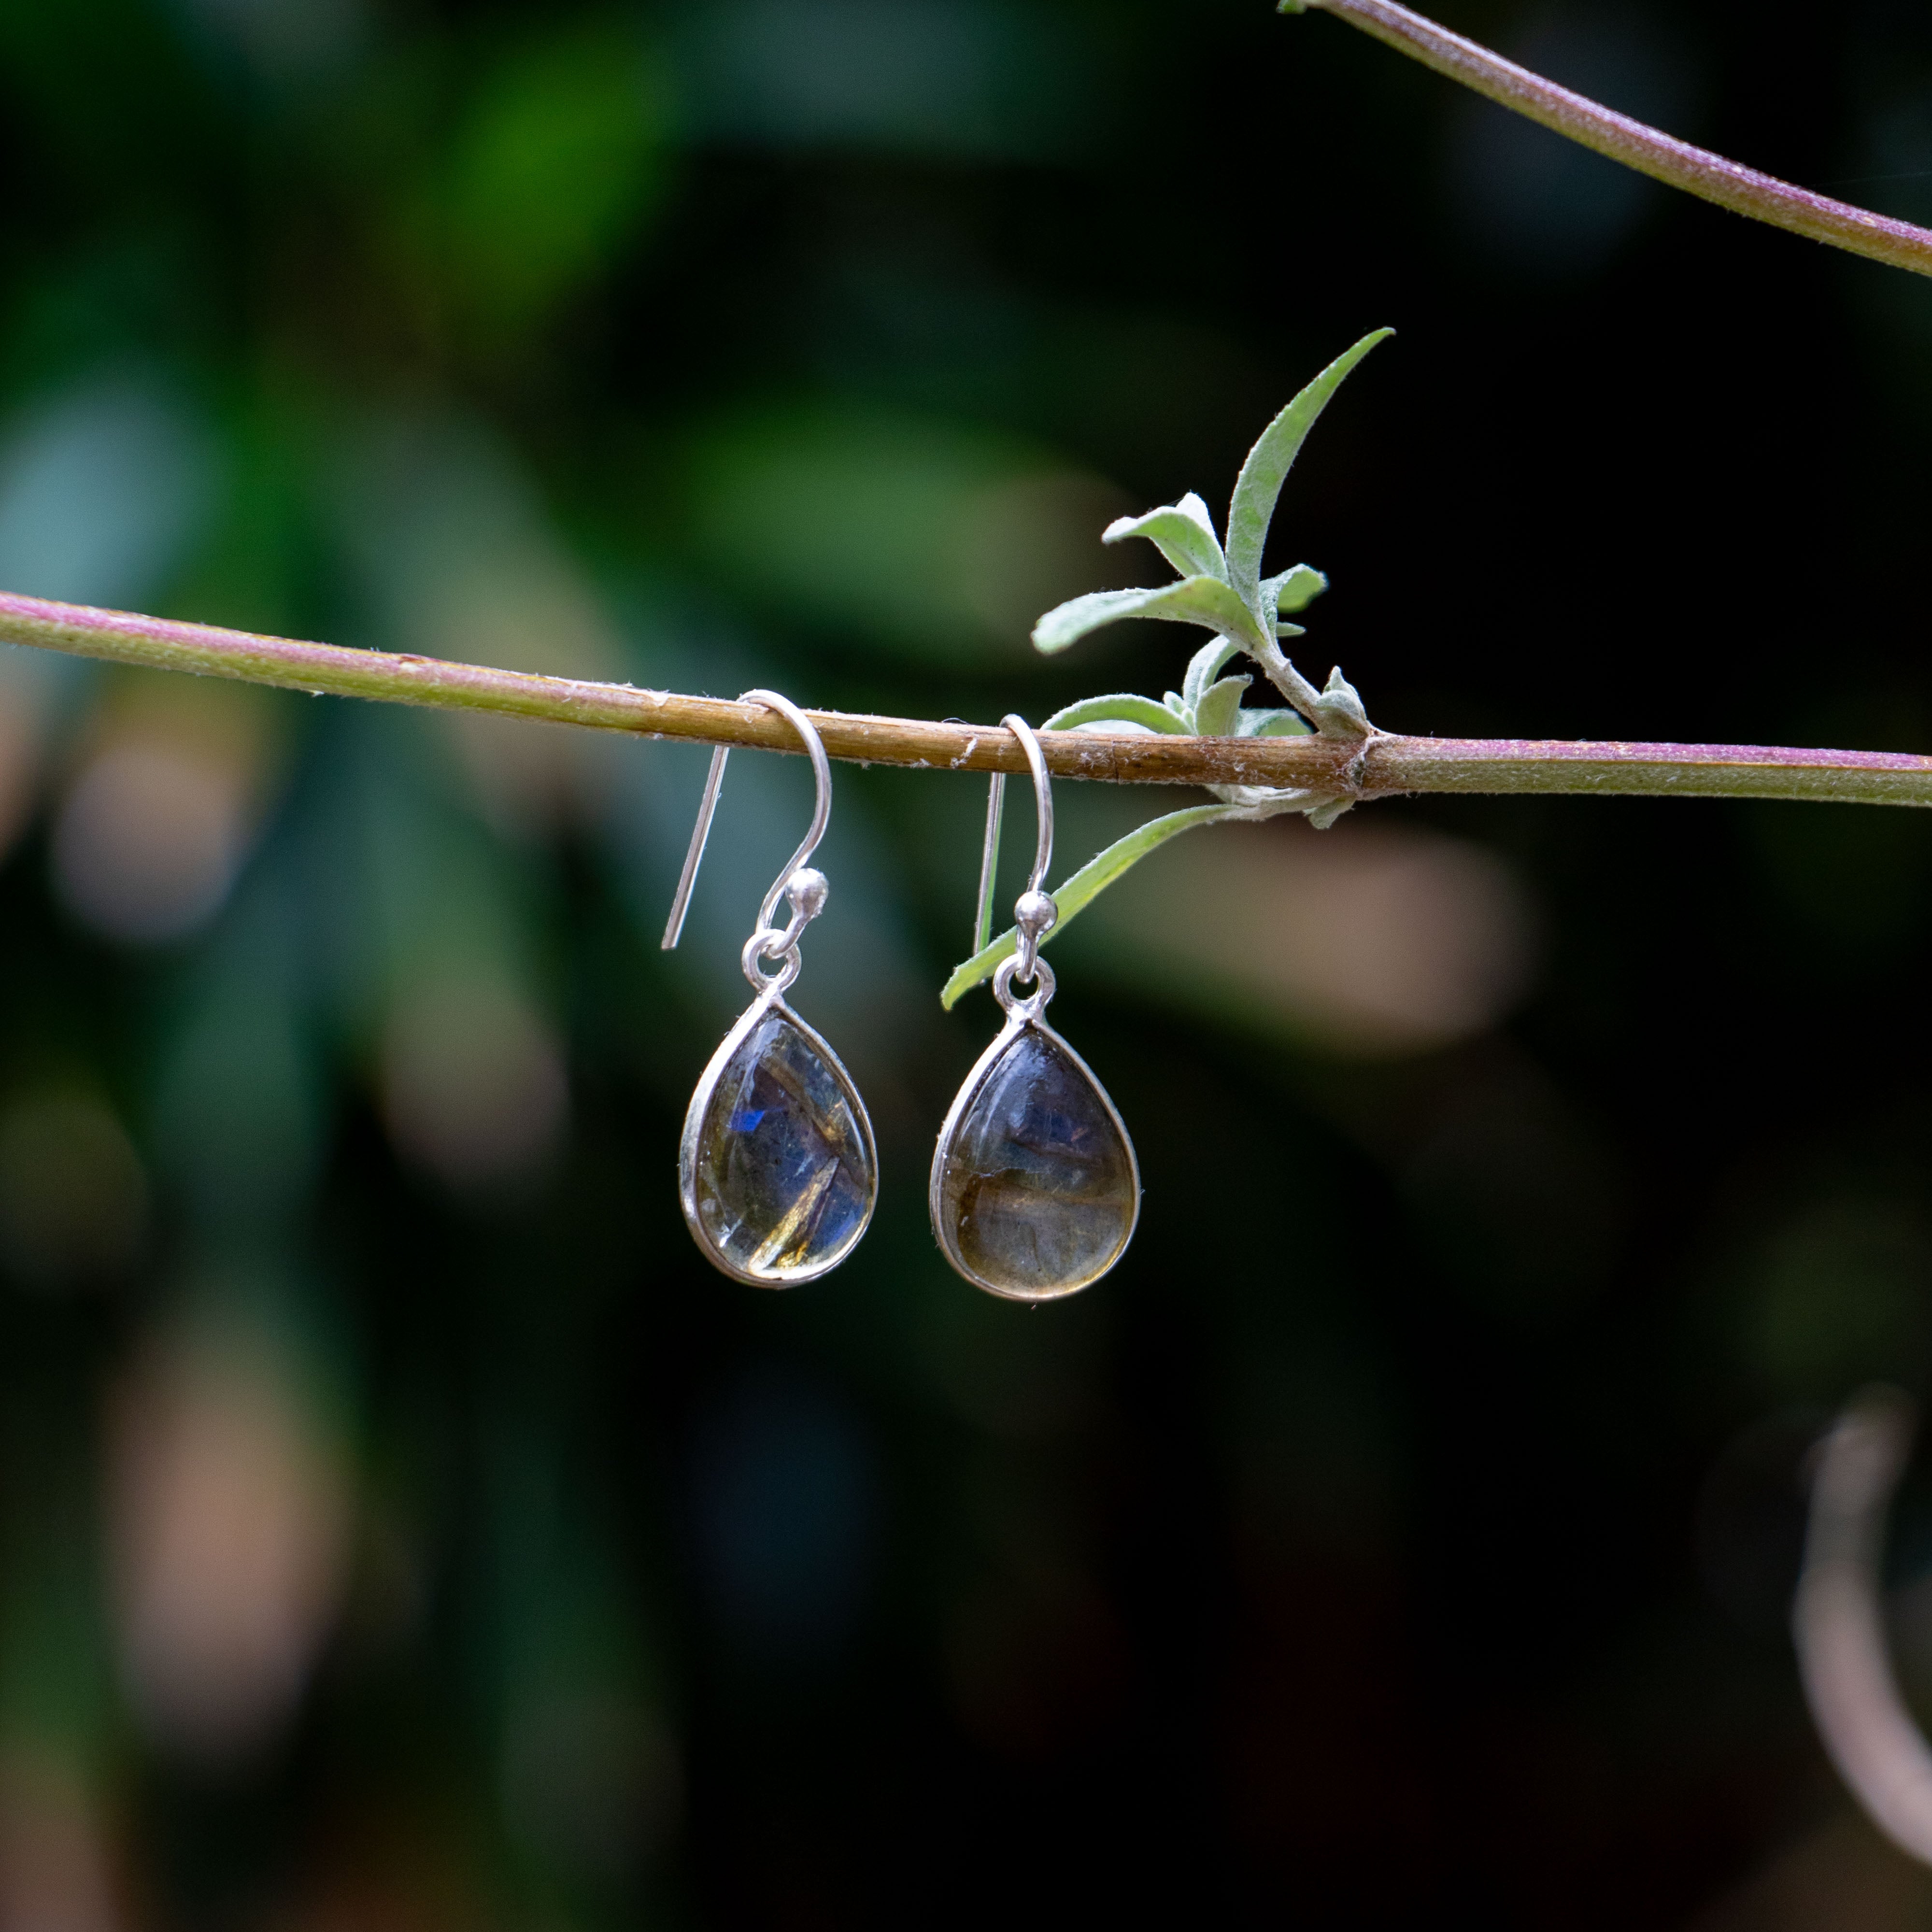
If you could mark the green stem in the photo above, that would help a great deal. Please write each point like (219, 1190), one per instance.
(1331, 768)
(1743, 191)
(1288, 680)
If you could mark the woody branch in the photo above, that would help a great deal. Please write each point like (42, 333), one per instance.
(1379, 766)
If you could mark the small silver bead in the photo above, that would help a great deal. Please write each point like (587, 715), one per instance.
(807, 889)
(1035, 913)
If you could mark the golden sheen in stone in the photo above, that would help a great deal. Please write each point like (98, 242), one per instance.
(785, 1182)
(1037, 1183)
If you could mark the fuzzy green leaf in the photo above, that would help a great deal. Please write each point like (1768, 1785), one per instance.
(1203, 668)
(1259, 487)
(1086, 886)
(1293, 590)
(1220, 703)
(1125, 707)
(1258, 724)
(1182, 532)
(1201, 600)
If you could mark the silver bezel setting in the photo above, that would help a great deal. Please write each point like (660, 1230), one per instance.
(1022, 1014)
(773, 998)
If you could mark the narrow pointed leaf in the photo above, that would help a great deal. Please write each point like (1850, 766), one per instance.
(1123, 707)
(1205, 601)
(1267, 468)
(1086, 886)
(1184, 533)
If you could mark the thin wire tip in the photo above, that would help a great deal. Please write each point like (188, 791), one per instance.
(701, 833)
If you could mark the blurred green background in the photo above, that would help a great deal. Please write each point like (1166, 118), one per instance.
(400, 1528)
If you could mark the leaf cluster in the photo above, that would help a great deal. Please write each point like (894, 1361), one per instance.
(1220, 590)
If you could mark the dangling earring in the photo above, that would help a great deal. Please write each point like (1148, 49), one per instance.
(1035, 1189)
(777, 1169)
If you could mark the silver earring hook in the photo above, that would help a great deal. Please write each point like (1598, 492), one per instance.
(1042, 796)
(1035, 913)
(989, 861)
(707, 810)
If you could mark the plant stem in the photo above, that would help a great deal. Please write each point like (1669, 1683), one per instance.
(1744, 191)
(1287, 680)
(1389, 764)
(1376, 767)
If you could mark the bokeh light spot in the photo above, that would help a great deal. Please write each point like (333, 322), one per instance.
(473, 1082)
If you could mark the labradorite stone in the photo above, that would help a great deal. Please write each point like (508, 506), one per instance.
(785, 1182)
(1037, 1183)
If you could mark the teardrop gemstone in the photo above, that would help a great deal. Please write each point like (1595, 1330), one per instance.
(1036, 1193)
(784, 1173)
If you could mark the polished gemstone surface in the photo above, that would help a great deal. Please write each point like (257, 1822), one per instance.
(1037, 1187)
(783, 1179)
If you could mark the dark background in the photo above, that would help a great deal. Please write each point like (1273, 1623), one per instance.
(400, 1526)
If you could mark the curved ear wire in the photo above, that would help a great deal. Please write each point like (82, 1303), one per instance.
(996, 802)
(1042, 796)
(989, 861)
(707, 810)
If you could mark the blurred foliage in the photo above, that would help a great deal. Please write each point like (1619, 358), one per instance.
(399, 1525)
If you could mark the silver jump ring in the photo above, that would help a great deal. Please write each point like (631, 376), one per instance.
(1034, 1003)
(766, 944)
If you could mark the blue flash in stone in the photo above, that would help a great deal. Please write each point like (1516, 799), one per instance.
(1035, 1187)
(779, 1174)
